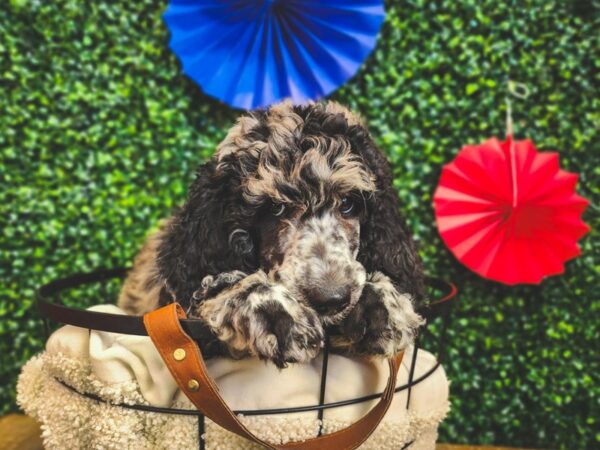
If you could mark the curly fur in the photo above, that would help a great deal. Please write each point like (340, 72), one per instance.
(263, 247)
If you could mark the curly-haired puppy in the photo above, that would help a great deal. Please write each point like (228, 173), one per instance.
(293, 227)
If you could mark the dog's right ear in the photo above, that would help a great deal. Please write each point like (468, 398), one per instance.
(198, 240)
(386, 242)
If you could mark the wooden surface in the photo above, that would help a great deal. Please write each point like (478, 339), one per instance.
(19, 432)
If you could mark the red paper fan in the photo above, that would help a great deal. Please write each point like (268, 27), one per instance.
(508, 212)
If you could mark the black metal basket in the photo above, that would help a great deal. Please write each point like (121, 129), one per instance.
(51, 308)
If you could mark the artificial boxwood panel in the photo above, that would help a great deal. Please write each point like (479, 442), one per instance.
(100, 133)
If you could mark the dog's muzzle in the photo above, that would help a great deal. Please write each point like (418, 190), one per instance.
(321, 268)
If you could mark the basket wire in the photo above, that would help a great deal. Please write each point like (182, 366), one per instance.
(50, 308)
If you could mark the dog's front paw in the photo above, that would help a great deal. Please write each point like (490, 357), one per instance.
(283, 330)
(383, 322)
(260, 319)
(213, 285)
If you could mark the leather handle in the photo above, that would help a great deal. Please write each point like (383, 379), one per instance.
(184, 359)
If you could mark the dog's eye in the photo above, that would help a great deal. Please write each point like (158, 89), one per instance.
(277, 209)
(347, 206)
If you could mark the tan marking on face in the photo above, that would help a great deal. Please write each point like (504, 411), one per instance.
(285, 125)
(345, 173)
(263, 183)
(237, 139)
(336, 108)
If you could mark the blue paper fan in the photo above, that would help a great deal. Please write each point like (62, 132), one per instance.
(251, 53)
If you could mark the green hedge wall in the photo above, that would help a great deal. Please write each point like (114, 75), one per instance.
(100, 134)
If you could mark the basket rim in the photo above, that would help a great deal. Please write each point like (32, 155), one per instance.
(134, 325)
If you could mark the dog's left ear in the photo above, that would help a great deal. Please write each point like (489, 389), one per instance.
(386, 244)
(207, 236)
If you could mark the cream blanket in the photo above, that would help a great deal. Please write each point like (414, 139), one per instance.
(128, 369)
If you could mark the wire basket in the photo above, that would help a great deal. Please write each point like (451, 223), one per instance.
(52, 308)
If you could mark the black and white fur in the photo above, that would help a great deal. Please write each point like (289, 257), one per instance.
(291, 230)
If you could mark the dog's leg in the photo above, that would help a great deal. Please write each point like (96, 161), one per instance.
(260, 318)
(383, 322)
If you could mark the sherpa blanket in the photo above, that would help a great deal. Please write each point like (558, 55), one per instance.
(128, 369)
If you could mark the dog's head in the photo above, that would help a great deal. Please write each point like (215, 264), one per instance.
(303, 193)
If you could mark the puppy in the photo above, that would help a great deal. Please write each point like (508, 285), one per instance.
(291, 230)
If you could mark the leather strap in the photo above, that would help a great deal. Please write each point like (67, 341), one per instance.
(183, 358)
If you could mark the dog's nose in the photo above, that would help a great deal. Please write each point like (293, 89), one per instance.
(329, 299)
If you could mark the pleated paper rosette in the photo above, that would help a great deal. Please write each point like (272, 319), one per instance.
(508, 212)
(252, 53)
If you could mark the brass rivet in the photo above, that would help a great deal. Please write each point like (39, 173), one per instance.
(179, 354)
(193, 385)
